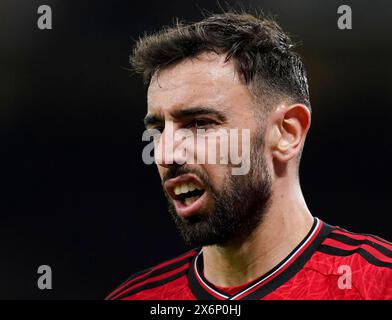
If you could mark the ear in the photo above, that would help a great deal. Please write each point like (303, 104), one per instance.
(291, 124)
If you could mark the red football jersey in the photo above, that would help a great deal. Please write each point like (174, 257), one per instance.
(329, 263)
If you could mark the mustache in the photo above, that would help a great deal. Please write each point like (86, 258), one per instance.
(176, 171)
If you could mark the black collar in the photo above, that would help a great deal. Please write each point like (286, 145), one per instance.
(260, 287)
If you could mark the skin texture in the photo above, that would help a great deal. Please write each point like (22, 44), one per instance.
(208, 80)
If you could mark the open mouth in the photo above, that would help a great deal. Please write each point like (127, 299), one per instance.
(188, 194)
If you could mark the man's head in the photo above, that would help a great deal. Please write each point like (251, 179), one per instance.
(229, 71)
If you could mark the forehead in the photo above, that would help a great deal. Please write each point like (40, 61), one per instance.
(206, 80)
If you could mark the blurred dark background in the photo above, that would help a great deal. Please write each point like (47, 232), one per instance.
(75, 193)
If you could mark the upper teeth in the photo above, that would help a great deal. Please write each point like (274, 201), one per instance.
(185, 187)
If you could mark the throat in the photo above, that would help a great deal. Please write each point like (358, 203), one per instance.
(232, 270)
(240, 263)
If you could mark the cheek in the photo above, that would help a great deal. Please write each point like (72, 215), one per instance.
(211, 148)
(161, 171)
(217, 175)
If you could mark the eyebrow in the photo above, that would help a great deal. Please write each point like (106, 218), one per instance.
(151, 119)
(198, 111)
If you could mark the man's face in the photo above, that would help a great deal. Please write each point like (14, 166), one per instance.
(205, 95)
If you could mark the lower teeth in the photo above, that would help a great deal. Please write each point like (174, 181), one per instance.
(189, 201)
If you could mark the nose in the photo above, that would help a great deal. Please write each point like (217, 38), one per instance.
(168, 150)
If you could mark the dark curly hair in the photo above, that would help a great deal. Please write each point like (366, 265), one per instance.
(260, 49)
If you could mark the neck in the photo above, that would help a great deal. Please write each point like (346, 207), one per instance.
(286, 222)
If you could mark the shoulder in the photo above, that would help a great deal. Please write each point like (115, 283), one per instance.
(372, 249)
(364, 259)
(154, 277)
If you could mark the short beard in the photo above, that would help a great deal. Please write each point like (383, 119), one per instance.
(236, 210)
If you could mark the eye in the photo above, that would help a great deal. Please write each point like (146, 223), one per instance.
(160, 128)
(155, 132)
(201, 123)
